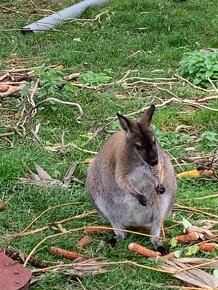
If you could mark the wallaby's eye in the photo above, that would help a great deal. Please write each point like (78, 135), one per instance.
(138, 146)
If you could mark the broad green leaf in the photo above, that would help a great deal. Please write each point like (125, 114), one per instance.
(215, 273)
(173, 242)
(192, 250)
(178, 253)
(186, 223)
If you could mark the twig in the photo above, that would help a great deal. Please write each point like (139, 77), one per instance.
(81, 284)
(51, 99)
(35, 133)
(42, 10)
(212, 83)
(12, 10)
(6, 75)
(7, 134)
(195, 266)
(202, 197)
(126, 262)
(192, 85)
(31, 101)
(97, 17)
(54, 148)
(193, 209)
(40, 215)
(49, 225)
(25, 233)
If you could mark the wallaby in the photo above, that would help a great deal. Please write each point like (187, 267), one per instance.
(123, 178)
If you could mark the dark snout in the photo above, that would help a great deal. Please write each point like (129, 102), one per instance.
(152, 158)
(153, 161)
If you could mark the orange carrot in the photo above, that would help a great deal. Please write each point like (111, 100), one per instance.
(84, 242)
(2, 206)
(194, 173)
(187, 238)
(207, 247)
(143, 251)
(66, 254)
(95, 230)
(3, 87)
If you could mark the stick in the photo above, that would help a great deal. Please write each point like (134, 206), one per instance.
(126, 262)
(51, 99)
(24, 233)
(192, 85)
(6, 134)
(178, 206)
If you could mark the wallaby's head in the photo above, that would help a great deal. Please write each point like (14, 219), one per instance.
(140, 138)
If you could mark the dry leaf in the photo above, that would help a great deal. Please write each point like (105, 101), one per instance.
(83, 269)
(195, 277)
(42, 178)
(199, 261)
(207, 224)
(205, 234)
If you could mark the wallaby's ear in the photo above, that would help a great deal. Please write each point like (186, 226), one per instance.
(147, 117)
(124, 122)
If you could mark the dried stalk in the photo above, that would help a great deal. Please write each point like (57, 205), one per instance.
(192, 85)
(25, 233)
(193, 209)
(51, 99)
(126, 262)
(203, 197)
(195, 266)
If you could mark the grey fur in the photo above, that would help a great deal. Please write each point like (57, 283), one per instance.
(118, 176)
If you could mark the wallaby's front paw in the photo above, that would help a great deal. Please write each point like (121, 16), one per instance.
(112, 241)
(160, 189)
(162, 250)
(142, 199)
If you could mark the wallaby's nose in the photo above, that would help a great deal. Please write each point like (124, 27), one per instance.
(153, 161)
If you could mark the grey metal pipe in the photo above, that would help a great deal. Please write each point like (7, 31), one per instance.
(73, 11)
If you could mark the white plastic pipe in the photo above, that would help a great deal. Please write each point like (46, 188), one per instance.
(73, 11)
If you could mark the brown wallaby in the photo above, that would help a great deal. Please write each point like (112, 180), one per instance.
(123, 178)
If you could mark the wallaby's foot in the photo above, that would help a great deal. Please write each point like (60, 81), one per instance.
(142, 199)
(162, 250)
(160, 189)
(112, 241)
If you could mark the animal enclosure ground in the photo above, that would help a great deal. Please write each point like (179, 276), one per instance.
(147, 37)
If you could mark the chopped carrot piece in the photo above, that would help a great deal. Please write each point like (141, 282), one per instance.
(194, 173)
(84, 242)
(143, 251)
(187, 238)
(207, 247)
(66, 254)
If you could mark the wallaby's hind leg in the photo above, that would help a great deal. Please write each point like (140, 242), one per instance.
(158, 216)
(157, 243)
(118, 235)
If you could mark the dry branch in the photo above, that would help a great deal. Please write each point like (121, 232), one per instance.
(193, 209)
(51, 99)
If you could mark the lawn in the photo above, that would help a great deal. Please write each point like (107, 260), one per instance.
(146, 39)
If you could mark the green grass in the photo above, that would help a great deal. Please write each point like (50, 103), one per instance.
(170, 30)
